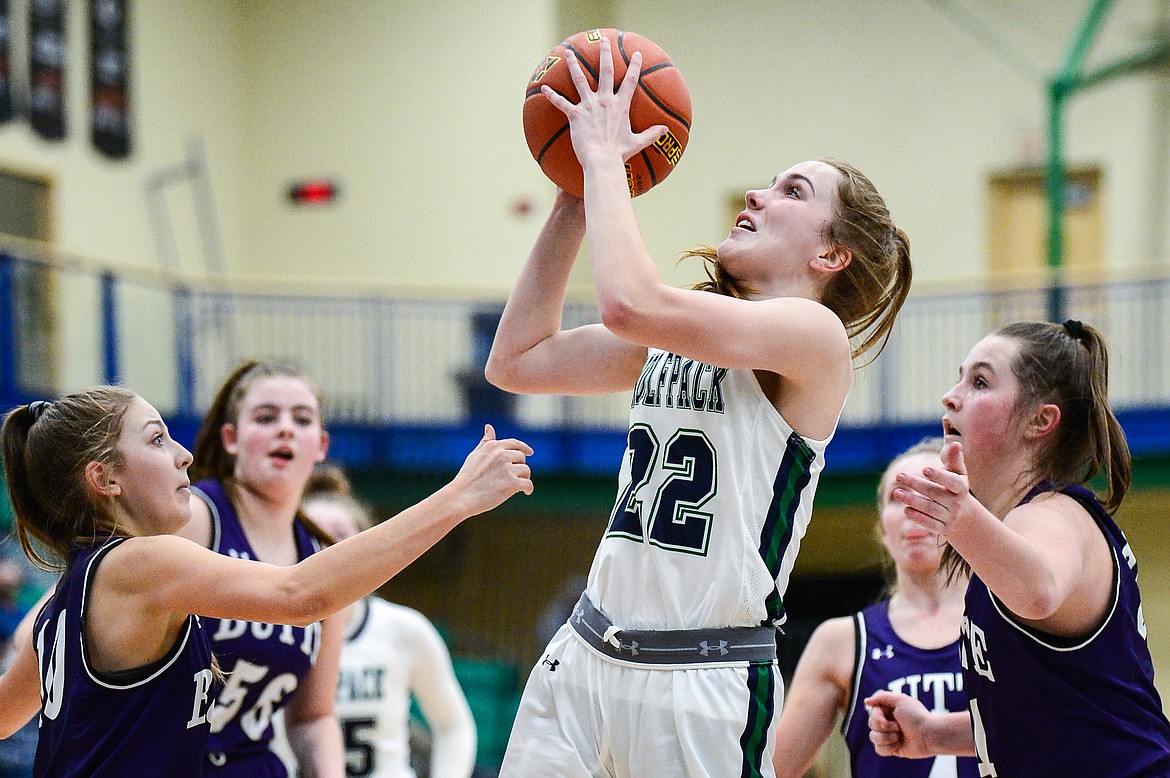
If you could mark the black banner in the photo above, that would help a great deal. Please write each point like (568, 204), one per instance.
(46, 73)
(5, 64)
(109, 76)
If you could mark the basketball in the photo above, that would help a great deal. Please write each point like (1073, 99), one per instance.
(662, 97)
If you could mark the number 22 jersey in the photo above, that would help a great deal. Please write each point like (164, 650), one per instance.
(714, 495)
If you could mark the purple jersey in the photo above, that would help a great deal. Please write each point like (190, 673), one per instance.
(882, 660)
(264, 663)
(1046, 705)
(145, 721)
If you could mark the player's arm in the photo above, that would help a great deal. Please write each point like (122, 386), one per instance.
(819, 692)
(1034, 560)
(530, 353)
(311, 725)
(433, 682)
(812, 348)
(20, 689)
(169, 573)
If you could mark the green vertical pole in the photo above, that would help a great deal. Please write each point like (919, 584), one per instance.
(1055, 181)
(1059, 90)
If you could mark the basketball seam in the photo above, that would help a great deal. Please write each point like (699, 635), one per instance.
(650, 168)
(583, 61)
(666, 109)
(553, 139)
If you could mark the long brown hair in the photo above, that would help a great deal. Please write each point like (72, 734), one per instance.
(46, 451)
(870, 291)
(1067, 365)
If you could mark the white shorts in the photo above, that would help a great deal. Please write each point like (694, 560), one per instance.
(584, 714)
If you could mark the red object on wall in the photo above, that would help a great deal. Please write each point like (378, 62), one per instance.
(318, 191)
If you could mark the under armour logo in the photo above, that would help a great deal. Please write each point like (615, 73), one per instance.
(552, 664)
(611, 637)
(888, 653)
(706, 649)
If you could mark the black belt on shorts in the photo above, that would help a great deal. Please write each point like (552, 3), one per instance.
(675, 646)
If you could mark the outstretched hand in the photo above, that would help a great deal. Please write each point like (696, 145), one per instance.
(600, 123)
(494, 471)
(938, 500)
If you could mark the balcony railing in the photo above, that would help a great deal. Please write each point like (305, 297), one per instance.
(403, 378)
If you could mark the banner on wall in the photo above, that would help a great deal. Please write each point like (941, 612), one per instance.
(5, 65)
(46, 72)
(109, 77)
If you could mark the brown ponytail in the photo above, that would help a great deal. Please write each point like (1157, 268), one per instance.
(868, 294)
(46, 453)
(1068, 365)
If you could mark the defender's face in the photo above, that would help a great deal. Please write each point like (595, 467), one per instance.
(278, 436)
(152, 483)
(981, 409)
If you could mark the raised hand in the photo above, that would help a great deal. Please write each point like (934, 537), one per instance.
(494, 471)
(938, 499)
(600, 122)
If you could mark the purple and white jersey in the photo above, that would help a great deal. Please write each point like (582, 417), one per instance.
(145, 721)
(1046, 705)
(264, 663)
(882, 660)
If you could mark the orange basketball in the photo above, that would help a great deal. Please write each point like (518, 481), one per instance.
(662, 97)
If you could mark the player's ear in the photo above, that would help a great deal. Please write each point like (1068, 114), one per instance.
(228, 438)
(99, 478)
(321, 454)
(834, 259)
(1044, 421)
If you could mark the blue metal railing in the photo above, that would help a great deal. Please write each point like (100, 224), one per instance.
(403, 378)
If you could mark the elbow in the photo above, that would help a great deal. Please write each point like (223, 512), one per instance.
(497, 373)
(621, 317)
(1038, 604)
(504, 376)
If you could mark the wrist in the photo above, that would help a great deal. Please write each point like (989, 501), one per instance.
(605, 165)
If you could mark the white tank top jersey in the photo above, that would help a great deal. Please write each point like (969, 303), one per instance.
(715, 492)
(389, 653)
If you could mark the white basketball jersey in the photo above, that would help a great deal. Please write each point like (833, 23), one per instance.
(714, 495)
(390, 651)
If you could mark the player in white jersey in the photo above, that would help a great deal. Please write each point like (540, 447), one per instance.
(390, 652)
(667, 665)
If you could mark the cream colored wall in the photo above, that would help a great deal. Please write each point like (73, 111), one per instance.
(902, 90)
(185, 83)
(415, 108)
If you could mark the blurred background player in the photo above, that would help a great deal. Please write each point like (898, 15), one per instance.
(254, 453)
(390, 653)
(908, 641)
